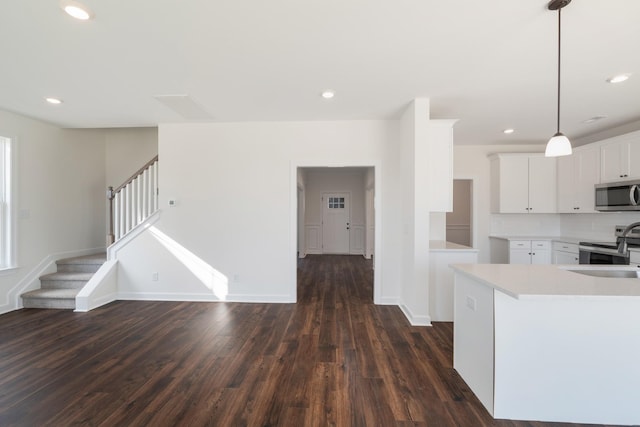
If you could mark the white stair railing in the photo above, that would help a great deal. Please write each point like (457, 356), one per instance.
(133, 202)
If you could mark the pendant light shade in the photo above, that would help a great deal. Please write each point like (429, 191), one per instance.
(559, 144)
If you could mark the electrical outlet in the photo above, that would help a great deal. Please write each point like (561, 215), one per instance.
(154, 276)
(236, 278)
(471, 302)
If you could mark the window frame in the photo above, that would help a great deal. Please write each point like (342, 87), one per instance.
(8, 203)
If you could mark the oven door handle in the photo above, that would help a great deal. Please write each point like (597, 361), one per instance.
(633, 195)
(604, 251)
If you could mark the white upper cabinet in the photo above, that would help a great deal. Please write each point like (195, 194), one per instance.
(542, 184)
(523, 183)
(577, 175)
(620, 158)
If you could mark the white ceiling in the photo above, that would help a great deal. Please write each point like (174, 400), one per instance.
(492, 65)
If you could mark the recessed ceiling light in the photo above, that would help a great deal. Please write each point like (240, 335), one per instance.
(619, 78)
(594, 119)
(54, 101)
(76, 9)
(508, 131)
(328, 94)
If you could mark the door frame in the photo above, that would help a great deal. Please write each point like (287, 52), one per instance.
(293, 222)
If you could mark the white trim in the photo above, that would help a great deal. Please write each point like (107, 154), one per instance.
(101, 289)
(10, 226)
(166, 296)
(313, 234)
(424, 320)
(202, 297)
(277, 299)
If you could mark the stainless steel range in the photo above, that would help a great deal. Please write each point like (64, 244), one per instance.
(611, 252)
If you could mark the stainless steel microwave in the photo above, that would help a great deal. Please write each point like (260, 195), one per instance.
(618, 196)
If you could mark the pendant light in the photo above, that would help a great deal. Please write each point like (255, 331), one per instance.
(559, 144)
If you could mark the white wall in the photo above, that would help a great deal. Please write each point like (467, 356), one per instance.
(61, 197)
(414, 172)
(127, 150)
(236, 203)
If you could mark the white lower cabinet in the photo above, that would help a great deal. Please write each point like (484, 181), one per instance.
(529, 252)
(565, 253)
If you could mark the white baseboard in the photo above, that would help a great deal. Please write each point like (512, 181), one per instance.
(423, 320)
(6, 308)
(269, 299)
(166, 296)
(149, 296)
(99, 302)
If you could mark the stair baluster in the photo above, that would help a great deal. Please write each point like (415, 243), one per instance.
(133, 202)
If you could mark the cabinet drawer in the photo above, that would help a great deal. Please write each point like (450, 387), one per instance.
(520, 244)
(565, 247)
(540, 244)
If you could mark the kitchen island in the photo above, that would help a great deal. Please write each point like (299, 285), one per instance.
(542, 342)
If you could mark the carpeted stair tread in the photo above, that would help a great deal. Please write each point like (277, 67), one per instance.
(52, 294)
(98, 258)
(82, 264)
(67, 276)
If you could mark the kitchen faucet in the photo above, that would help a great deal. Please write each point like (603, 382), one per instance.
(622, 245)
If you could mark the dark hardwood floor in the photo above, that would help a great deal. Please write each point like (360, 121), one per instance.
(332, 359)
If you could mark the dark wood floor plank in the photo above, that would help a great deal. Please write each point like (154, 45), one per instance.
(332, 359)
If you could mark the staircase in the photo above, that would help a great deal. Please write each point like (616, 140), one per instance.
(59, 290)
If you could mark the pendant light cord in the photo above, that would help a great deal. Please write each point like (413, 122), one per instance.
(559, 35)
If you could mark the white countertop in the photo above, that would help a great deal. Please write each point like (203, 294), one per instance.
(566, 239)
(441, 245)
(530, 280)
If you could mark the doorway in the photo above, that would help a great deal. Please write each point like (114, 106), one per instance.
(460, 220)
(362, 196)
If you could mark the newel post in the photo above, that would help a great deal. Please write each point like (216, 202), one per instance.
(110, 236)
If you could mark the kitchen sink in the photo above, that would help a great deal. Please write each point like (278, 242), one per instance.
(623, 274)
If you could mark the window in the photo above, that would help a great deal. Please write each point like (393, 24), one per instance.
(336, 202)
(7, 232)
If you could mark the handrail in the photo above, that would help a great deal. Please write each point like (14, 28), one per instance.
(135, 200)
(136, 174)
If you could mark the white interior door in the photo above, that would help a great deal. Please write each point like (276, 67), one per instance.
(335, 223)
